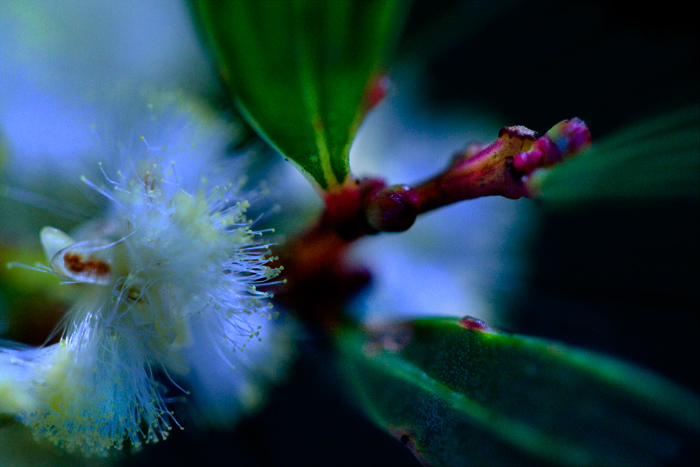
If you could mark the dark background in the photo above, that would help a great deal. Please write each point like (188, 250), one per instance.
(621, 279)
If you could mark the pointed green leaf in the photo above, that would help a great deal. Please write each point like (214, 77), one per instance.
(299, 69)
(459, 393)
(655, 159)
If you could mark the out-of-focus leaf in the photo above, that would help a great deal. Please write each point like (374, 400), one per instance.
(656, 159)
(299, 70)
(459, 393)
(31, 303)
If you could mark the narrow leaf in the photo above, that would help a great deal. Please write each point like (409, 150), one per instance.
(654, 159)
(459, 393)
(298, 70)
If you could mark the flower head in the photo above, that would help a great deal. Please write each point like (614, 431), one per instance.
(172, 252)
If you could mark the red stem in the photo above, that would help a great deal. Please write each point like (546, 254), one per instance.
(319, 281)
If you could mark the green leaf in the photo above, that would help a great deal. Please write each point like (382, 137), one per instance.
(459, 393)
(299, 69)
(655, 159)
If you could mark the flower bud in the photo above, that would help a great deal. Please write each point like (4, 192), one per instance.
(393, 209)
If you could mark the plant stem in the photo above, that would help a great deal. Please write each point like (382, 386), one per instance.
(318, 280)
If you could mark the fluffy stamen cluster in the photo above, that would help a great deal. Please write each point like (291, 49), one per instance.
(161, 257)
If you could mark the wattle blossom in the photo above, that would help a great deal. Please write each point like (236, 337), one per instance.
(165, 279)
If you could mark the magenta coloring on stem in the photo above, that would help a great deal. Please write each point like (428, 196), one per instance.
(472, 323)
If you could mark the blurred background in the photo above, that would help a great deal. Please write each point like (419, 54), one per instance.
(619, 278)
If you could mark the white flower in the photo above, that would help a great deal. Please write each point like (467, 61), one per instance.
(172, 264)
